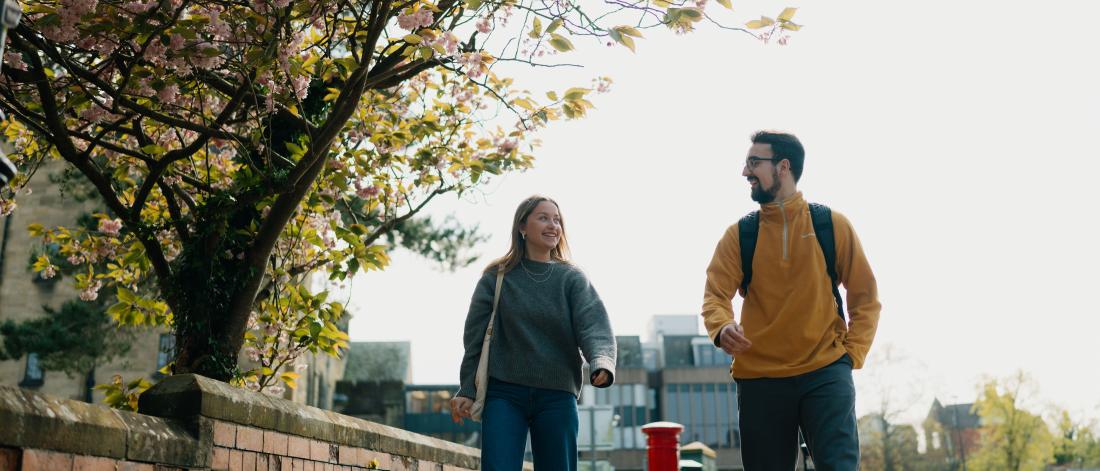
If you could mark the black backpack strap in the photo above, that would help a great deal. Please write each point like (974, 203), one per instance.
(747, 230)
(822, 217)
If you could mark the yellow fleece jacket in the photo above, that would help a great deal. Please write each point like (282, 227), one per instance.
(789, 313)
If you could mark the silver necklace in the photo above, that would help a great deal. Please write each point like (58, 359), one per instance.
(537, 277)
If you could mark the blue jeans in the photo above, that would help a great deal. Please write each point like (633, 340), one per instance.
(822, 403)
(513, 410)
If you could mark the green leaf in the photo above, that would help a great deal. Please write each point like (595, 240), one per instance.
(553, 26)
(560, 43)
(473, 4)
(553, 96)
(126, 296)
(153, 149)
(691, 13)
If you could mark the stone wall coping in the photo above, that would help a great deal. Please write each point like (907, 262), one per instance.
(189, 396)
(34, 420)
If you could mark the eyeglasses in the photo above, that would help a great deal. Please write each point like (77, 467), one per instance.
(752, 162)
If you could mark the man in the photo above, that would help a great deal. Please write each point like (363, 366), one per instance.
(793, 354)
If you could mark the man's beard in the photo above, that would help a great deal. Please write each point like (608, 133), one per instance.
(766, 195)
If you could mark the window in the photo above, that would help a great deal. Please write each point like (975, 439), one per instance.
(166, 350)
(33, 376)
(417, 402)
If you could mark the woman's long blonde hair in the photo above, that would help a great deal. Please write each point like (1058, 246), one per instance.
(518, 249)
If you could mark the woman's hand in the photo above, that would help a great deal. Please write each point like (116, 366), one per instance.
(601, 378)
(460, 408)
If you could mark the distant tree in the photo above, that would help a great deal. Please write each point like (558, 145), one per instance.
(887, 446)
(891, 381)
(1013, 439)
(75, 339)
(1075, 443)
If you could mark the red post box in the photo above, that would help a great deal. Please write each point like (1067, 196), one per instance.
(663, 443)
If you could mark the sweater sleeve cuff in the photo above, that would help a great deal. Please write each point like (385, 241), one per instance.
(607, 364)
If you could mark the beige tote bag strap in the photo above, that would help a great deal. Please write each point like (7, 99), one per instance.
(482, 376)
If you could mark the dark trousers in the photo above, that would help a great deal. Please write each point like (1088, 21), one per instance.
(822, 403)
(513, 410)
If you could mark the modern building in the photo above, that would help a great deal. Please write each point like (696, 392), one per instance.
(679, 376)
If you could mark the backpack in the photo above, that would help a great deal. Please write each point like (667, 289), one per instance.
(822, 218)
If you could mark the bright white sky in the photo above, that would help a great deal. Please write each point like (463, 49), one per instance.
(958, 137)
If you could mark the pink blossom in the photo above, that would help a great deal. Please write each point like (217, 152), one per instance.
(366, 192)
(783, 40)
(92, 291)
(110, 226)
(6, 207)
(415, 20)
(301, 86)
(156, 52)
(473, 62)
(507, 146)
(449, 43)
(140, 7)
(48, 273)
(483, 26)
(15, 60)
(75, 259)
(168, 94)
(176, 42)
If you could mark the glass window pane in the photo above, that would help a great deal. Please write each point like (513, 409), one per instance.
(698, 403)
(33, 371)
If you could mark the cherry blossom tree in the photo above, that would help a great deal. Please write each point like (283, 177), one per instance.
(239, 145)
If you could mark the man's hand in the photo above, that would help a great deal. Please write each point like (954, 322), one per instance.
(732, 339)
(460, 408)
(600, 378)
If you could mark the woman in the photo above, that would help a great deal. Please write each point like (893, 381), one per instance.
(546, 312)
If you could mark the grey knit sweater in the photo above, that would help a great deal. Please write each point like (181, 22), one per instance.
(539, 327)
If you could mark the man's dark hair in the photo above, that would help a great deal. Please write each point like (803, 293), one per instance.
(786, 146)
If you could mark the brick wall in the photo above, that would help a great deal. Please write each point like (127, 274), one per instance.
(193, 423)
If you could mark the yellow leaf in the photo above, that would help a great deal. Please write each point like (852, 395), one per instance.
(524, 103)
(560, 43)
(763, 22)
(576, 93)
(627, 41)
(661, 3)
(628, 31)
(536, 28)
(725, 3)
(553, 96)
(791, 26)
(787, 14)
(413, 39)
